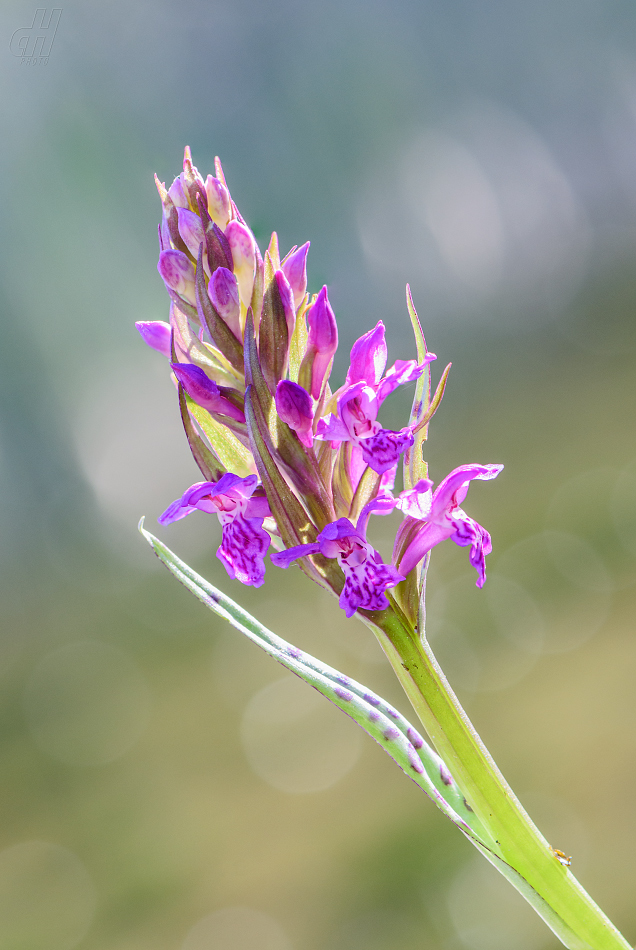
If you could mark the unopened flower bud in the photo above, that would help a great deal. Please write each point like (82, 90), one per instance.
(178, 194)
(287, 300)
(322, 343)
(242, 245)
(219, 201)
(156, 334)
(192, 181)
(294, 406)
(204, 391)
(295, 270)
(224, 293)
(191, 230)
(178, 274)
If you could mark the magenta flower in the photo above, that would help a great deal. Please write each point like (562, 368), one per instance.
(368, 360)
(366, 575)
(360, 399)
(244, 542)
(441, 518)
(356, 422)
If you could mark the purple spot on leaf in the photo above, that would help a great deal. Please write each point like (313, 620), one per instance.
(373, 700)
(391, 733)
(414, 737)
(343, 694)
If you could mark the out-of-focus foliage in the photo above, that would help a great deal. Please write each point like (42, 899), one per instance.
(163, 787)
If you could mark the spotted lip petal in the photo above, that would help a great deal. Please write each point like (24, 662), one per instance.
(443, 518)
(244, 542)
(366, 576)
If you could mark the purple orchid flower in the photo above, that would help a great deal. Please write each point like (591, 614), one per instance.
(359, 402)
(441, 518)
(367, 577)
(356, 422)
(244, 542)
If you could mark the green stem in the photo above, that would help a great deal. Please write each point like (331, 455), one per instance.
(571, 913)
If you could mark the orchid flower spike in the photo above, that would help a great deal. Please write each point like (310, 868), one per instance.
(440, 517)
(244, 543)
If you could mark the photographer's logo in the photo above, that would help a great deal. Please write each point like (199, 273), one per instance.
(33, 44)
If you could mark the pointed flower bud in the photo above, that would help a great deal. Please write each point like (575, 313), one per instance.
(224, 293)
(178, 194)
(243, 247)
(322, 343)
(191, 230)
(156, 334)
(205, 391)
(178, 273)
(219, 201)
(287, 300)
(295, 269)
(294, 406)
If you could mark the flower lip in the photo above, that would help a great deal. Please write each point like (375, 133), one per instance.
(366, 576)
(443, 518)
(244, 542)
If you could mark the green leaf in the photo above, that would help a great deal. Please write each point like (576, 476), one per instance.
(376, 716)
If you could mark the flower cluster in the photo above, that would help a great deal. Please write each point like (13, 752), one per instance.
(285, 459)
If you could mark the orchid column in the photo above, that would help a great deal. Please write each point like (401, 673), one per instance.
(289, 463)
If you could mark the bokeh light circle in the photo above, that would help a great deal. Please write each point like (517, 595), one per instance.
(87, 703)
(485, 640)
(488, 914)
(237, 928)
(47, 898)
(568, 581)
(296, 740)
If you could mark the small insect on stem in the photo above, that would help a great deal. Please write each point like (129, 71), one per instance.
(561, 858)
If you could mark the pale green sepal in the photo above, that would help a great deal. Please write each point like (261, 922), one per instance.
(231, 452)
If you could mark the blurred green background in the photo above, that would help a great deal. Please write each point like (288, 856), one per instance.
(165, 787)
